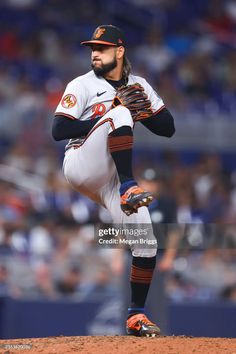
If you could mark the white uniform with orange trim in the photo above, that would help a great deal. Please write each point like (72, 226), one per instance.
(88, 165)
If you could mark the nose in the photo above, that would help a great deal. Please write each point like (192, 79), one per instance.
(95, 54)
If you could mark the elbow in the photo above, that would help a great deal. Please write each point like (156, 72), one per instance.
(56, 131)
(56, 134)
(171, 131)
(168, 124)
(171, 128)
(56, 138)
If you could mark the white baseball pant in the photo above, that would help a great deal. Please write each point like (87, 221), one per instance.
(90, 170)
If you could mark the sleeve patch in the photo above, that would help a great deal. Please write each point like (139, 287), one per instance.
(68, 101)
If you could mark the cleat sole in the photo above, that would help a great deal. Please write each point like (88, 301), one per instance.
(151, 335)
(133, 204)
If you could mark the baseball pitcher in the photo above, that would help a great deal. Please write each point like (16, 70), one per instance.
(97, 114)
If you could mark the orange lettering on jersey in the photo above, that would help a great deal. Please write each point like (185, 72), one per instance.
(99, 32)
(99, 109)
(68, 101)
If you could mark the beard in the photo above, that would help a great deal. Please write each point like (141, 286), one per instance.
(104, 68)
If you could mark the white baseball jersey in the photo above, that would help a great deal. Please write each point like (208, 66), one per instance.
(89, 167)
(89, 96)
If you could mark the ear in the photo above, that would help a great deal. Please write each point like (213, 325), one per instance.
(120, 52)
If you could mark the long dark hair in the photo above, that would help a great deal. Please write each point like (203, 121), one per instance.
(126, 68)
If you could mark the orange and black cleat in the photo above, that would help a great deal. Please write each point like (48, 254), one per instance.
(134, 198)
(140, 326)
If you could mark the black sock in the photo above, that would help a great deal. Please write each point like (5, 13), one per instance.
(120, 143)
(140, 280)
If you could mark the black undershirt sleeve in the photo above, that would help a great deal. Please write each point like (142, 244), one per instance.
(66, 128)
(161, 123)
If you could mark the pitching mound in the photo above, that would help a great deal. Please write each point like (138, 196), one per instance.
(119, 345)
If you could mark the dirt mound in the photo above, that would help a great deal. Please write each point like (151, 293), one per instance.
(119, 345)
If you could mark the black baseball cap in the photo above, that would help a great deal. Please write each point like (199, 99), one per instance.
(107, 35)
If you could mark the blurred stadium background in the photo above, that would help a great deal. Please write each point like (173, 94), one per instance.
(53, 278)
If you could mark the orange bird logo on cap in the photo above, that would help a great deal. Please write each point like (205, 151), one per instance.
(99, 32)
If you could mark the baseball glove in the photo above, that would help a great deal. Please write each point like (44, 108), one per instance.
(135, 99)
